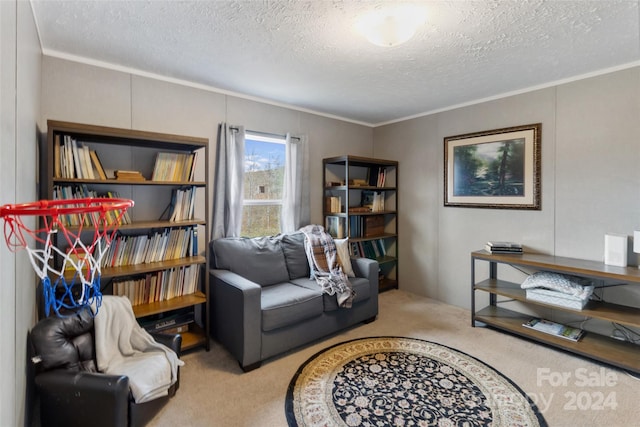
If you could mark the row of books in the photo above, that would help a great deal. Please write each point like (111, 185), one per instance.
(63, 192)
(169, 244)
(159, 286)
(373, 249)
(75, 160)
(182, 204)
(174, 167)
(377, 176)
(366, 225)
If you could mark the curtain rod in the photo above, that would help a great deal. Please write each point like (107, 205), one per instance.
(273, 135)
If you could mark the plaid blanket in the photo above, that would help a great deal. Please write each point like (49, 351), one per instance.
(323, 256)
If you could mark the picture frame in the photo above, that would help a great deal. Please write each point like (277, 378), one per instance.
(498, 169)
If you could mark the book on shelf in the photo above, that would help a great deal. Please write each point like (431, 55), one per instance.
(360, 209)
(175, 167)
(158, 246)
(81, 191)
(87, 165)
(73, 159)
(382, 177)
(333, 204)
(182, 205)
(377, 176)
(192, 166)
(77, 258)
(336, 227)
(373, 225)
(358, 182)
(97, 164)
(159, 286)
(555, 329)
(373, 200)
(56, 157)
(129, 175)
(373, 249)
(495, 247)
(495, 244)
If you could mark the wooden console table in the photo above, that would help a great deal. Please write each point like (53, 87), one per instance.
(622, 354)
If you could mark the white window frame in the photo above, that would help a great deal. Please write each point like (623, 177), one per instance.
(253, 136)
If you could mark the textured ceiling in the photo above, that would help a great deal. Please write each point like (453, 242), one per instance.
(307, 54)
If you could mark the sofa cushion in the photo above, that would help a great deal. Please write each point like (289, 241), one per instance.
(294, 255)
(285, 304)
(342, 248)
(360, 286)
(258, 259)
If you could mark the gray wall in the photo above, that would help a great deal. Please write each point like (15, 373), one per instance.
(19, 107)
(590, 182)
(86, 94)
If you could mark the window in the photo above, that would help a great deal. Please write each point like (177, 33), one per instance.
(264, 159)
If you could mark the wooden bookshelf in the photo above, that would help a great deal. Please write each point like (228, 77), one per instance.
(137, 269)
(133, 150)
(150, 309)
(622, 354)
(347, 177)
(111, 181)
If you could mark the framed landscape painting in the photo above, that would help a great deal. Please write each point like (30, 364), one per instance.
(493, 169)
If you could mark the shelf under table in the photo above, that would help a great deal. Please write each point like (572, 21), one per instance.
(621, 354)
(617, 313)
(144, 310)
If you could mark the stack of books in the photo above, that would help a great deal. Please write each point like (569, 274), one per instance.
(503, 248)
(129, 175)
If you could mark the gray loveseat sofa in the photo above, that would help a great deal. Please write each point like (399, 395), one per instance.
(263, 302)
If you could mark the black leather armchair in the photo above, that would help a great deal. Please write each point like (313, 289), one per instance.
(70, 389)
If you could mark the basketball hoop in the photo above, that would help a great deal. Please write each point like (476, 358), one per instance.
(69, 218)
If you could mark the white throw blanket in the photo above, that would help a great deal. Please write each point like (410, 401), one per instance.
(323, 261)
(124, 348)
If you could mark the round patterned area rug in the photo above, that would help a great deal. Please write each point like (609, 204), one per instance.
(393, 381)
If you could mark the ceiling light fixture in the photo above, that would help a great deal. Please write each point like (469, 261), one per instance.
(391, 27)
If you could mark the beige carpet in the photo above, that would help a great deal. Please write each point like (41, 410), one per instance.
(570, 391)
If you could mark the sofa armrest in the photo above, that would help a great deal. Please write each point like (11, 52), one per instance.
(237, 315)
(67, 395)
(367, 268)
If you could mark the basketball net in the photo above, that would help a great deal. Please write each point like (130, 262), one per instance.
(67, 250)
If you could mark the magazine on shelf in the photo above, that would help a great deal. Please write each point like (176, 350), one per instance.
(553, 328)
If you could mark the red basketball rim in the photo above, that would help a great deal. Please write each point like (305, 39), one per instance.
(63, 206)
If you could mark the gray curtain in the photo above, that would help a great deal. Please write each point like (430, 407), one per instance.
(295, 193)
(228, 188)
